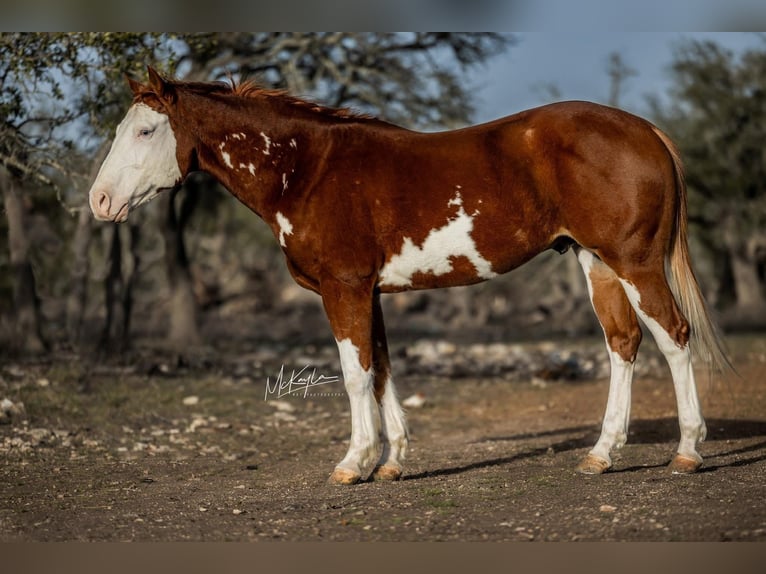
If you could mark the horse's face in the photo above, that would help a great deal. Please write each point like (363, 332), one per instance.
(141, 163)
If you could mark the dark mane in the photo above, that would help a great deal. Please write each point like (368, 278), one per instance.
(251, 90)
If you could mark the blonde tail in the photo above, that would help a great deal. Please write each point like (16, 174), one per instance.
(706, 340)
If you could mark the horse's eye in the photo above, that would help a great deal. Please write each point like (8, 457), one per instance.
(145, 133)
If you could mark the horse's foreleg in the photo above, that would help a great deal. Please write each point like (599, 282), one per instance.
(623, 336)
(349, 309)
(393, 426)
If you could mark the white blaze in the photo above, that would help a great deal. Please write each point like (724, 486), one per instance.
(141, 162)
(435, 254)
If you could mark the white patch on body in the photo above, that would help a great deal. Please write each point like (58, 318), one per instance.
(365, 414)
(267, 143)
(251, 168)
(141, 161)
(285, 228)
(239, 136)
(679, 359)
(435, 254)
(293, 144)
(284, 182)
(226, 156)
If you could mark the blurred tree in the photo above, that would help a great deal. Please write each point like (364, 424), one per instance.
(618, 72)
(25, 156)
(718, 119)
(59, 93)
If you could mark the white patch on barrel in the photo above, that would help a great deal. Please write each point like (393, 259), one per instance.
(285, 228)
(438, 249)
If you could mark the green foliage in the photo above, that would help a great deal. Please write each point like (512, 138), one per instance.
(60, 87)
(718, 119)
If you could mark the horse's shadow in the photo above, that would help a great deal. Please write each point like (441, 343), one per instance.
(645, 431)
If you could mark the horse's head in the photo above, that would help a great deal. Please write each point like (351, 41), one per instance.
(143, 159)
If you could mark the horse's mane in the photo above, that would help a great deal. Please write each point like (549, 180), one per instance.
(251, 90)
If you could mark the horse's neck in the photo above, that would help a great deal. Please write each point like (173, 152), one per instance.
(254, 159)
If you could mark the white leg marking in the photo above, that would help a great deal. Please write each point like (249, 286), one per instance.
(614, 429)
(394, 428)
(365, 414)
(679, 359)
(438, 249)
(285, 228)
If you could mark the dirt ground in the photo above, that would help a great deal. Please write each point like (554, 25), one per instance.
(156, 452)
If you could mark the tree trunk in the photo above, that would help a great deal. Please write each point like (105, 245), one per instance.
(78, 291)
(118, 286)
(183, 330)
(83, 238)
(27, 318)
(750, 306)
(747, 284)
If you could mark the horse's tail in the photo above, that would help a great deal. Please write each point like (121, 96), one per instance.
(706, 339)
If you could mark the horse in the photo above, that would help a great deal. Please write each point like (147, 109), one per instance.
(361, 207)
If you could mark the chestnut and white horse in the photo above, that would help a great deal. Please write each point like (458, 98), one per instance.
(361, 207)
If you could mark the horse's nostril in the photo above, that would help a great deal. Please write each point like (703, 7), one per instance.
(103, 201)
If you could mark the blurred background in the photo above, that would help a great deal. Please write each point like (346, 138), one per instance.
(195, 269)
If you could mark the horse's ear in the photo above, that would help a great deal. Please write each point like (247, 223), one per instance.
(160, 86)
(135, 87)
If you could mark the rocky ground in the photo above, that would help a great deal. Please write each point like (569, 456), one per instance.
(163, 448)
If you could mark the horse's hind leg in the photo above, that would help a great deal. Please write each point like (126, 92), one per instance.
(623, 336)
(651, 297)
(393, 426)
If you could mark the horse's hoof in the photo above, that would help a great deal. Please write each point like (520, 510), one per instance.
(343, 476)
(684, 464)
(386, 472)
(592, 464)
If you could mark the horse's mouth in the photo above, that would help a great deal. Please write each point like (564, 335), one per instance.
(122, 215)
